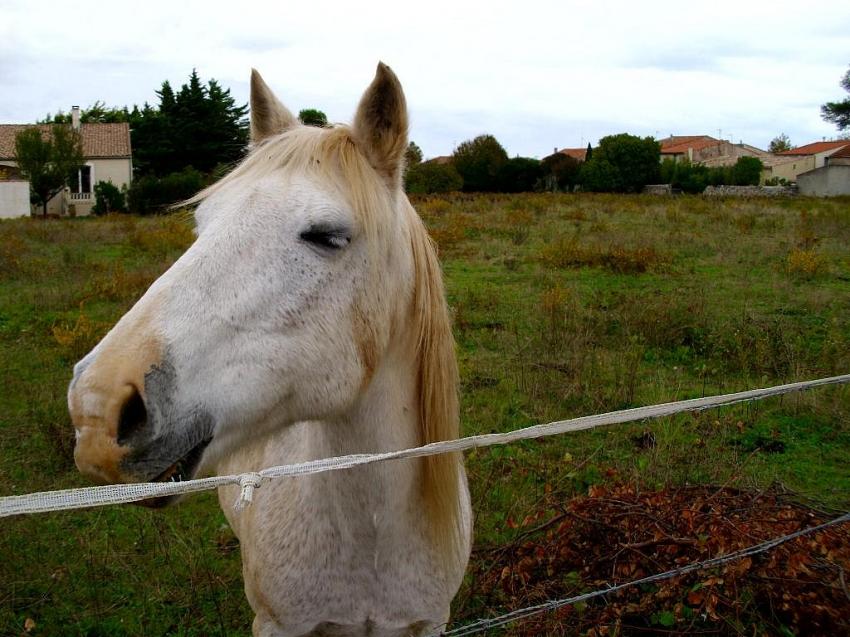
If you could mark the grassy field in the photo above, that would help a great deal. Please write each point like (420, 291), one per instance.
(564, 305)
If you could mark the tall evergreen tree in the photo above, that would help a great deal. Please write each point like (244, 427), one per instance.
(198, 126)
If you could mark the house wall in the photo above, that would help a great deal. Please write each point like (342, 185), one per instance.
(830, 181)
(118, 171)
(820, 158)
(790, 169)
(14, 199)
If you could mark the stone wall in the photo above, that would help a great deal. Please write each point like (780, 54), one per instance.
(749, 191)
(658, 189)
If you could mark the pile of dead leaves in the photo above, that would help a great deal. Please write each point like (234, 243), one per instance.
(619, 534)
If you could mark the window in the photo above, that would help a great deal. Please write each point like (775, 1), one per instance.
(81, 180)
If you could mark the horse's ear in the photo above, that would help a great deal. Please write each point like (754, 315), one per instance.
(268, 116)
(380, 125)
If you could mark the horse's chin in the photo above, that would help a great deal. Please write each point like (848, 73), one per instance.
(184, 468)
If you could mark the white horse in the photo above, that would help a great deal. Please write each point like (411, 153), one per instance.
(307, 320)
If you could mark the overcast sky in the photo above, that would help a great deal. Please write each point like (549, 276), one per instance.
(535, 74)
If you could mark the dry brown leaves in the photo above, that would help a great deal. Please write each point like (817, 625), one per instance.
(619, 534)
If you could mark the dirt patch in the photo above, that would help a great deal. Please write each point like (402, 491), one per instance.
(621, 534)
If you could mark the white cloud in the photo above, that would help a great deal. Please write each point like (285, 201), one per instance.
(536, 74)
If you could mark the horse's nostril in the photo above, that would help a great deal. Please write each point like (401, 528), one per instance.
(133, 418)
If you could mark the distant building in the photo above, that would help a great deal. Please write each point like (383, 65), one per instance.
(789, 164)
(708, 151)
(579, 154)
(832, 177)
(107, 156)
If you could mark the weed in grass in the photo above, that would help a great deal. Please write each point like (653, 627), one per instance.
(77, 339)
(12, 250)
(745, 223)
(519, 222)
(174, 233)
(805, 263)
(117, 284)
(569, 252)
(436, 207)
(451, 231)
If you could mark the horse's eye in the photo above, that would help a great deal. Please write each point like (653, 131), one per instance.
(330, 239)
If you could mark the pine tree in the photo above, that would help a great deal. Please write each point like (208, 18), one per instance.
(198, 126)
(839, 112)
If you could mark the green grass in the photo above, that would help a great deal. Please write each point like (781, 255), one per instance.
(563, 305)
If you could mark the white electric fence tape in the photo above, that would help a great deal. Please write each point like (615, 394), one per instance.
(120, 493)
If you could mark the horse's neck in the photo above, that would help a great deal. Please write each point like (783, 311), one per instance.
(347, 546)
(385, 418)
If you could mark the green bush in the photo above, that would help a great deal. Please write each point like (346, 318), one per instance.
(560, 172)
(747, 171)
(108, 198)
(151, 194)
(690, 178)
(479, 162)
(431, 177)
(622, 163)
(520, 174)
(693, 178)
(313, 117)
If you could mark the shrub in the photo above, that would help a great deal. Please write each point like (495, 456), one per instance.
(108, 198)
(622, 163)
(313, 117)
(479, 162)
(520, 174)
(150, 194)
(691, 178)
(560, 172)
(747, 171)
(431, 177)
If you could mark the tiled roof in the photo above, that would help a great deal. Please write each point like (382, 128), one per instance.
(100, 141)
(576, 153)
(815, 148)
(844, 152)
(442, 160)
(680, 144)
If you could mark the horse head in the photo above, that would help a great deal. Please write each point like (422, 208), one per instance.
(279, 311)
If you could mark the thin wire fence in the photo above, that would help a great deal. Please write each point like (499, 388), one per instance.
(522, 613)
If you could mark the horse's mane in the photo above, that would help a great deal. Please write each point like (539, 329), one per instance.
(333, 154)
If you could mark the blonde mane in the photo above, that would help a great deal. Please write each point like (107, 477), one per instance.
(332, 155)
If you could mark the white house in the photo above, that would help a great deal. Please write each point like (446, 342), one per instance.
(106, 153)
